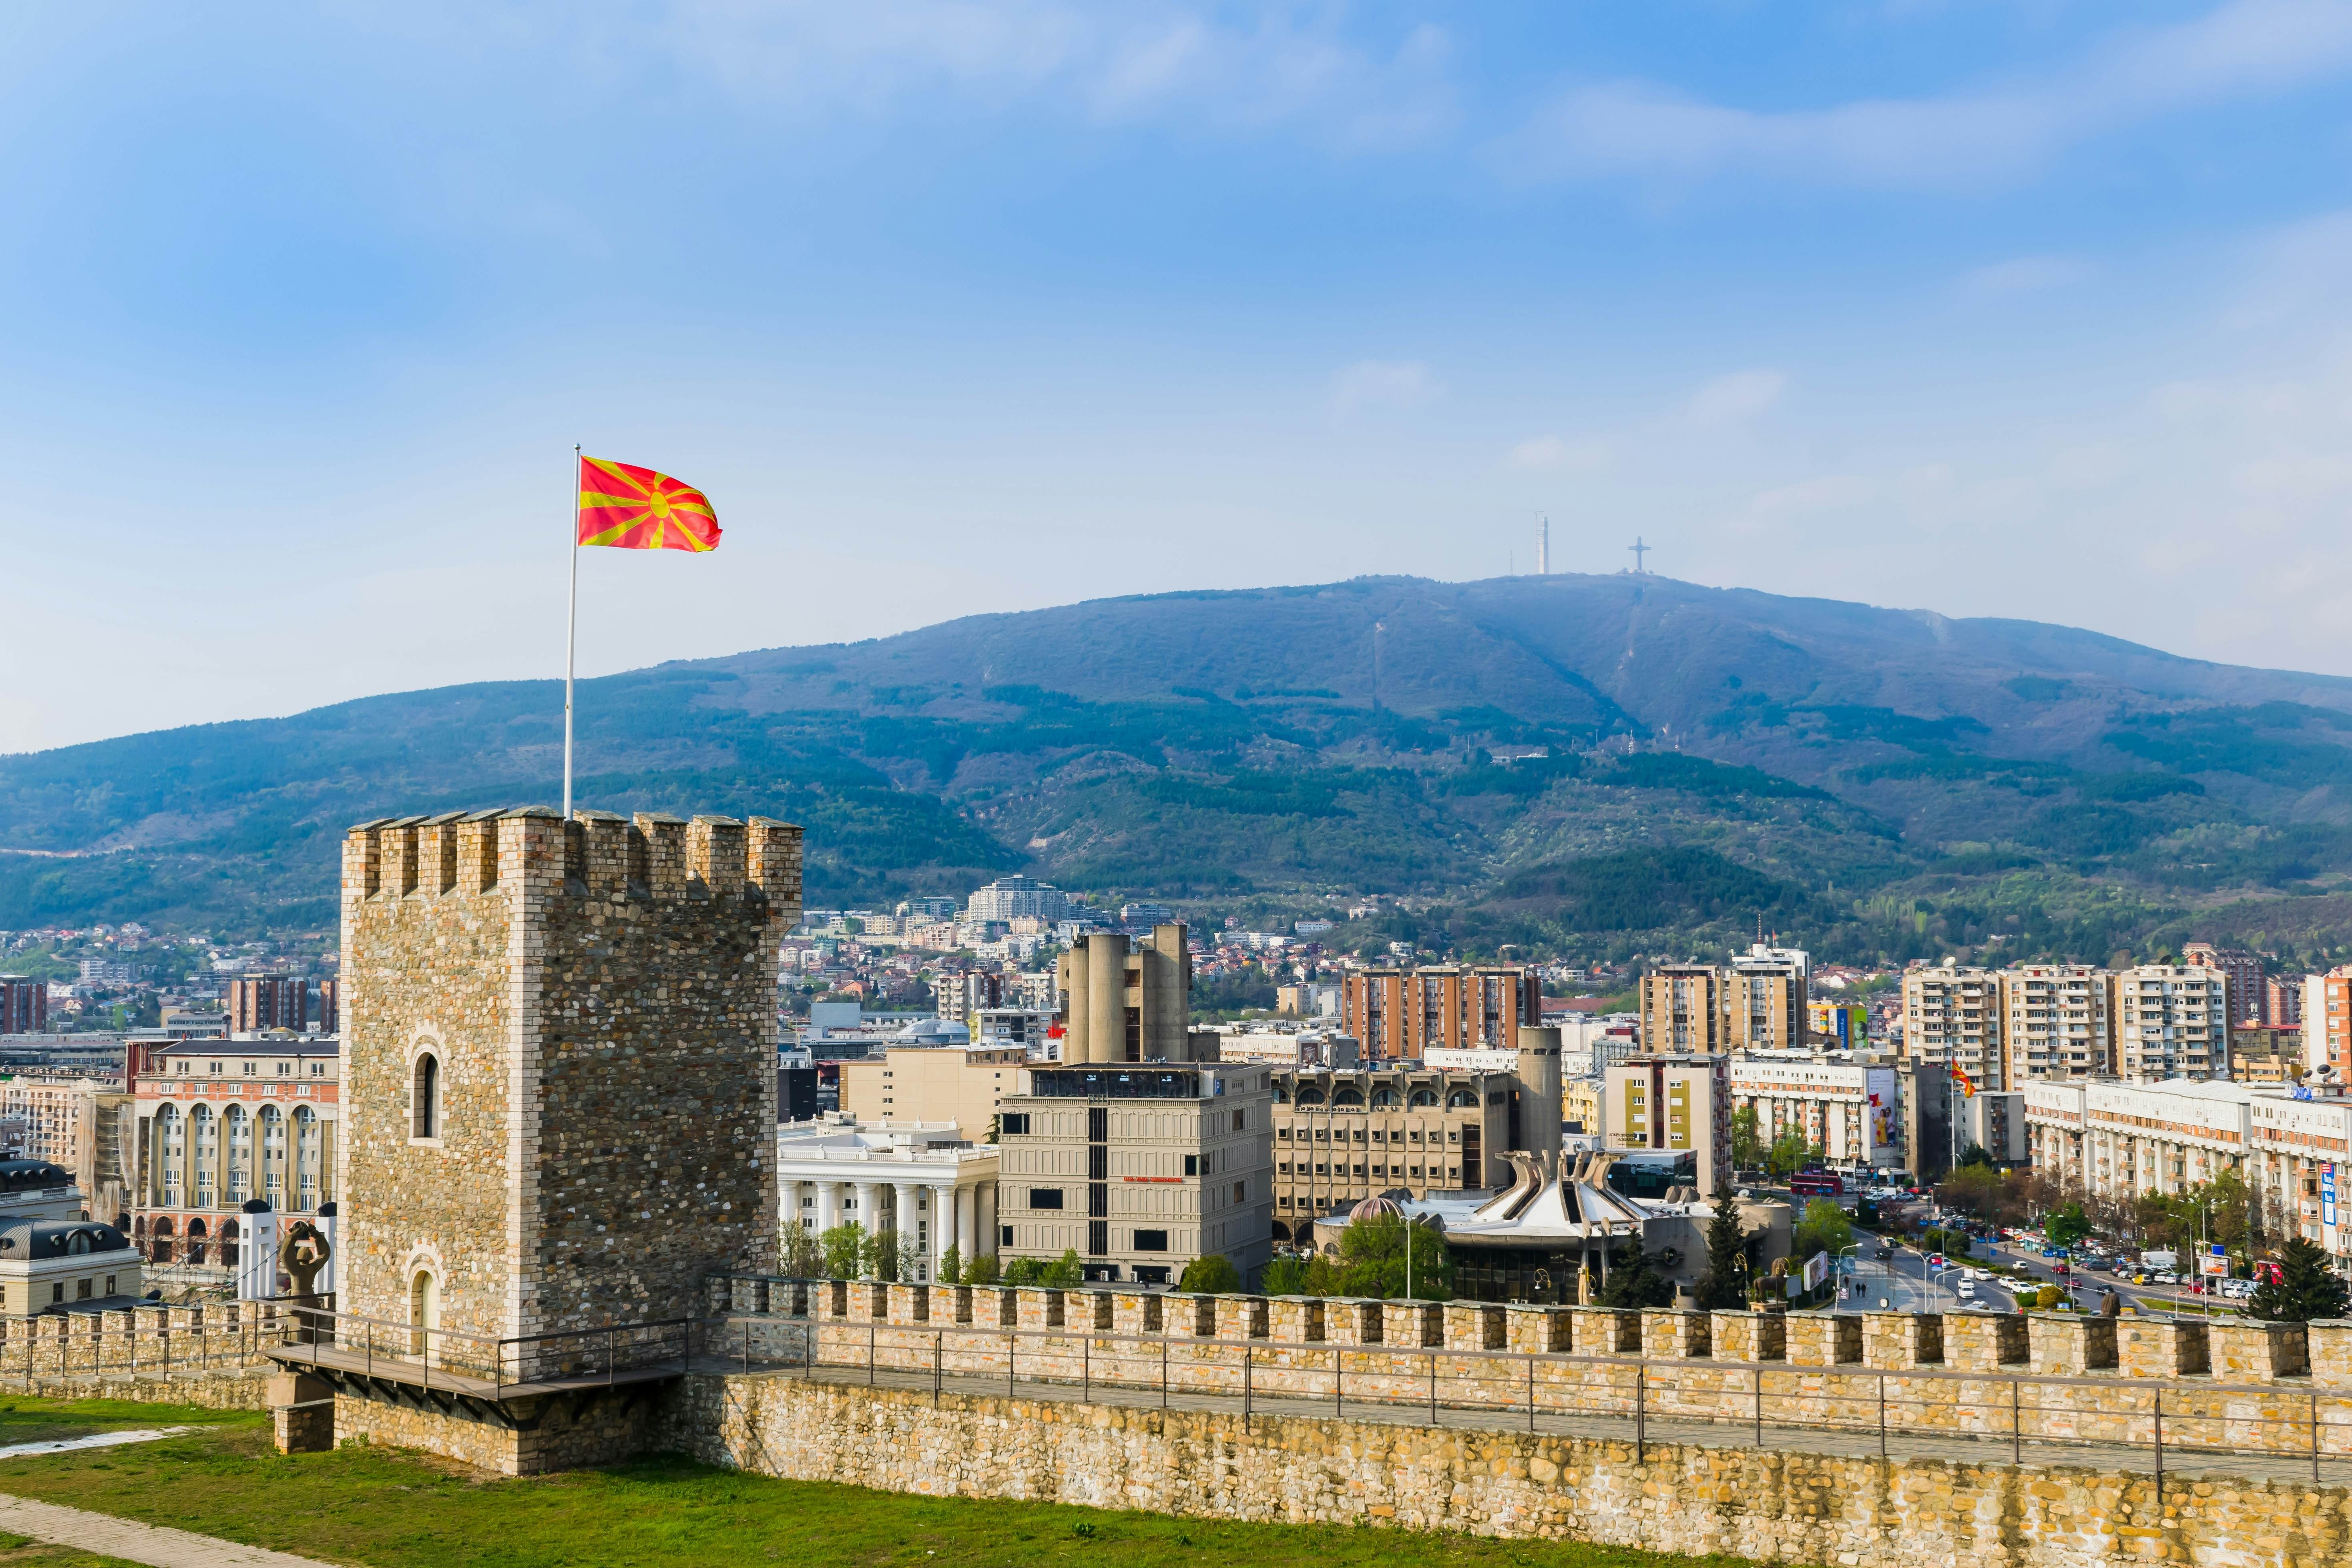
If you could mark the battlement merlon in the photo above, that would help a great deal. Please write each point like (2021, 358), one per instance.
(599, 853)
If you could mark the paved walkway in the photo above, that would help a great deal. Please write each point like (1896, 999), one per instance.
(135, 1543)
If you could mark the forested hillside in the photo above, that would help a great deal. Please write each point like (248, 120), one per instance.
(1882, 781)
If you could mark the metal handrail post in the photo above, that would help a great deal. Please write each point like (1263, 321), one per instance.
(608, 1355)
(938, 1363)
(1338, 1382)
(1759, 1401)
(1531, 1393)
(1641, 1415)
(869, 1355)
(1163, 1373)
(1882, 1418)
(1247, 1357)
(1012, 1349)
(2160, 1449)
(2314, 1438)
(1433, 1388)
(2016, 1424)
(1086, 1370)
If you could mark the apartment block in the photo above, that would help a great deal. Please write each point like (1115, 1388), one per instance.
(257, 1002)
(2170, 1021)
(1684, 1009)
(2241, 970)
(1847, 1109)
(24, 1005)
(1400, 1013)
(1953, 1014)
(2055, 1023)
(1679, 1102)
(1766, 996)
(2326, 1003)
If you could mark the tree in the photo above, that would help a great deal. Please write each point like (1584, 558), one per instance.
(1823, 1228)
(1211, 1276)
(2066, 1225)
(846, 1251)
(951, 1271)
(1372, 1260)
(1976, 1155)
(1025, 1272)
(1747, 1139)
(1723, 1287)
(1971, 1189)
(2305, 1290)
(803, 1255)
(1634, 1278)
(980, 1271)
(1284, 1276)
(1064, 1271)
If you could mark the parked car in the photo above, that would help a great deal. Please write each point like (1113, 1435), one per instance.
(1883, 1252)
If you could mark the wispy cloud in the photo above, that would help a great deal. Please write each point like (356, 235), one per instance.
(1737, 398)
(1583, 455)
(1285, 64)
(2025, 274)
(1382, 384)
(1985, 135)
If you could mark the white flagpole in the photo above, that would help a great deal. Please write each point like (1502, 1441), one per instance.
(570, 631)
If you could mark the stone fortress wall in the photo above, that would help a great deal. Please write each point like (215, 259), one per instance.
(599, 1000)
(2225, 1387)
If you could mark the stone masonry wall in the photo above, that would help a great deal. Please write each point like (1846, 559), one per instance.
(1792, 1508)
(601, 996)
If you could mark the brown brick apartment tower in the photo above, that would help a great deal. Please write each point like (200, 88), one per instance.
(558, 1064)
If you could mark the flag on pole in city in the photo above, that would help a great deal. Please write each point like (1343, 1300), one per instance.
(623, 507)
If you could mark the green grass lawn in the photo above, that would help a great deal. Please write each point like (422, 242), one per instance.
(388, 1508)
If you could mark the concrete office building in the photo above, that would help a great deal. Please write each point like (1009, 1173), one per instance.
(1138, 1169)
(1129, 1000)
(1441, 1125)
(956, 1085)
(2122, 1140)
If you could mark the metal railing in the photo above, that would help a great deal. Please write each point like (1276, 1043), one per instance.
(2283, 1426)
(473, 1363)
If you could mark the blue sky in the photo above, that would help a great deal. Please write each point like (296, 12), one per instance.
(2016, 307)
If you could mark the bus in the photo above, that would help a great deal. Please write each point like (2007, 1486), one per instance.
(1817, 1185)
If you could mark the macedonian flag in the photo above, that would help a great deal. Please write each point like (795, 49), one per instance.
(637, 508)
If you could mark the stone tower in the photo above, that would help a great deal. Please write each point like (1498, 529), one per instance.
(558, 1064)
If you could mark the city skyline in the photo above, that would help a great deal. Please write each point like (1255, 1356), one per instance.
(1876, 303)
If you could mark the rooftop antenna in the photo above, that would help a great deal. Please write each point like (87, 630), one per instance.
(1638, 550)
(1543, 545)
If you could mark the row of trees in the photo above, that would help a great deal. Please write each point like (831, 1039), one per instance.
(1781, 1156)
(850, 1251)
(1371, 1265)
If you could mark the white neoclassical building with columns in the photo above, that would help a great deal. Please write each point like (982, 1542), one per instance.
(923, 1179)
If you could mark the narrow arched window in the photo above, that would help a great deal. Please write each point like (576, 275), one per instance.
(425, 1101)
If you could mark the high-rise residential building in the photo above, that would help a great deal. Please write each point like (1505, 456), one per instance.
(261, 1002)
(2283, 1000)
(2055, 1023)
(1138, 1169)
(24, 1005)
(1130, 1000)
(2170, 1021)
(964, 997)
(1766, 997)
(1009, 898)
(1402, 1013)
(1684, 1009)
(2326, 1003)
(1674, 1101)
(1953, 1014)
(330, 1007)
(2242, 970)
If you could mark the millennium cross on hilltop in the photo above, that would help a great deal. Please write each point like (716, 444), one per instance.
(1639, 550)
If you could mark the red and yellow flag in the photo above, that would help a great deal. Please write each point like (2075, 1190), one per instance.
(637, 509)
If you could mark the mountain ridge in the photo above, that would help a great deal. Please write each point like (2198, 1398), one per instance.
(1291, 743)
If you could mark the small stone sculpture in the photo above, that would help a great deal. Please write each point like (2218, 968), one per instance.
(304, 1256)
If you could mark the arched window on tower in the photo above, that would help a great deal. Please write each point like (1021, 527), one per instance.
(425, 1097)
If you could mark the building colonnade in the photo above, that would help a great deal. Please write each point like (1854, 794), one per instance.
(935, 1214)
